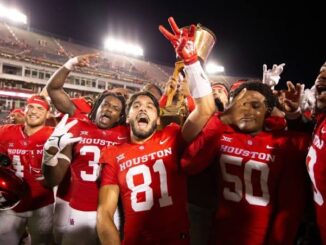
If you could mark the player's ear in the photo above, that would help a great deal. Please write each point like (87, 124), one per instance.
(158, 121)
(127, 119)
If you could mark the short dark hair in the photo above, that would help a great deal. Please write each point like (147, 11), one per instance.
(144, 93)
(98, 101)
(261, 88)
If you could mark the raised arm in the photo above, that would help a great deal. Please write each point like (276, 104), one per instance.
(199, 85)
(54, 86)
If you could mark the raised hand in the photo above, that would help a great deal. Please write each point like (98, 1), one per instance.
(171, 86)
(272, 76)
(81, 61)
(290, 99)
(183, 41)
(60, 137)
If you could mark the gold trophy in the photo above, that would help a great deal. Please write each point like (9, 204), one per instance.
(176, 109)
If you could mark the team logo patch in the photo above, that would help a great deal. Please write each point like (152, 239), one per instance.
(83, 133)
(120, 157)
(226, 139)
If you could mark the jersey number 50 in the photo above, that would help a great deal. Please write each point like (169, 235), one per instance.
(237, 193)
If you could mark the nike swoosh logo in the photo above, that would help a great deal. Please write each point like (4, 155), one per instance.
(162, 142)
(270, 147)
(39, 145)
(121, 138)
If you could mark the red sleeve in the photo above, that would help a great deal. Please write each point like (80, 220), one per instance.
(203, 149)
(109, 167)
(293, 195)
(190, 103)
(163, 101)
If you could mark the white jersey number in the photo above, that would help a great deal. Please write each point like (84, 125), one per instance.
(311, 161)
(18, 166)
(93, 164)
(236, 194)
(148, 202)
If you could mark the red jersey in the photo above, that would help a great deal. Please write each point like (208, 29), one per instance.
(85, 161)
(26, 154)
(316, 163)
(65, 186)
(152, 186)
(259, 178)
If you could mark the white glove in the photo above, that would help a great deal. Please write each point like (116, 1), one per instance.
(271, 77)
(60, 137)
(308, 99)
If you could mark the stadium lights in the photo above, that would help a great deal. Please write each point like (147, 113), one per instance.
(12, 14)
(119, 46)
(213, 68)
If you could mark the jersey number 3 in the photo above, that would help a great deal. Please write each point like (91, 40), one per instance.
(147, 204)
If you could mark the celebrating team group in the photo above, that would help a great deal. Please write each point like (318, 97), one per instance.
(114, 174)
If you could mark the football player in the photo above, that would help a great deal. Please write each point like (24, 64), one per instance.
(23, 144)
(262, 185)
(316, 158)
(99, 129)
(145, 171)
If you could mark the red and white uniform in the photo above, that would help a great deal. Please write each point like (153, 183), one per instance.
(84, 176)
(85, 162)
(36, 208)
(152, 187)
(259, 178)
(316, 164)
(62, 209)
(26, 154)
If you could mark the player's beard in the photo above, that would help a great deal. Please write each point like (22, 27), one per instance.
(143, 134)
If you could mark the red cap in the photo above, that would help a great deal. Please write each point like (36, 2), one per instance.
(36, 99)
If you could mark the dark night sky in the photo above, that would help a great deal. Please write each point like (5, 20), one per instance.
(249, 33)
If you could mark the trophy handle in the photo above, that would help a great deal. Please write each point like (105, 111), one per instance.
(178, 67)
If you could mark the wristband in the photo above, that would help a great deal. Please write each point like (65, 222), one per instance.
(49, 160)
(71, 63)
(199, 85)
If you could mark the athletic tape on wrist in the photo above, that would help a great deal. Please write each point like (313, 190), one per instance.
(71, 63)
(199, 85)
(49, 160)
